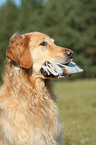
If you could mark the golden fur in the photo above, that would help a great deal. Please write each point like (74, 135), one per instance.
(28, 110)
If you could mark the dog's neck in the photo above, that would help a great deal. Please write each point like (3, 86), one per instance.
(21, 79)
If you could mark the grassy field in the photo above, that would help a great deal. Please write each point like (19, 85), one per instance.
(77, 107)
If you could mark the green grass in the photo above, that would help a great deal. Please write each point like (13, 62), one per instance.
(77, 106)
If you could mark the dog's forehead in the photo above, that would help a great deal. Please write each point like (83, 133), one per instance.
(37, 36)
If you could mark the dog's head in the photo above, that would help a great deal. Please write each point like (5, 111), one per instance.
(31, 50)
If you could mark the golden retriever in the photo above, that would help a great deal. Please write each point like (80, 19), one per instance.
(28, 110)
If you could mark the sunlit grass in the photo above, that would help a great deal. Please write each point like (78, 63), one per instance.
(77, 105)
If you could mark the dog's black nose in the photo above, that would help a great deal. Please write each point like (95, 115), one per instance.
(69, 53)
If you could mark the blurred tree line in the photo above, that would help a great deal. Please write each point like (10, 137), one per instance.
(71, 23)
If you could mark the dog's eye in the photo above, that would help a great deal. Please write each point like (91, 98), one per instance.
(43, 43)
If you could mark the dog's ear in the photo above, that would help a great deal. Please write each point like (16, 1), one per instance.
(18, 51)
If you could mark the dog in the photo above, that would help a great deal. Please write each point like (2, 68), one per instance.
(28, 111)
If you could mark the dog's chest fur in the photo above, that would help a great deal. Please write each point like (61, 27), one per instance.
(33, 109)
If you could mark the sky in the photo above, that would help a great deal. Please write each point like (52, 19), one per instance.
(16, 1)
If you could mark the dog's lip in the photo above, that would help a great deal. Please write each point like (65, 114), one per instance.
(65, 63)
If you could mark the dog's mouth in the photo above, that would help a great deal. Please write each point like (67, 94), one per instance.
(55, 69)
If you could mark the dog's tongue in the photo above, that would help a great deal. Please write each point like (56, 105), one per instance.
(54, 69)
